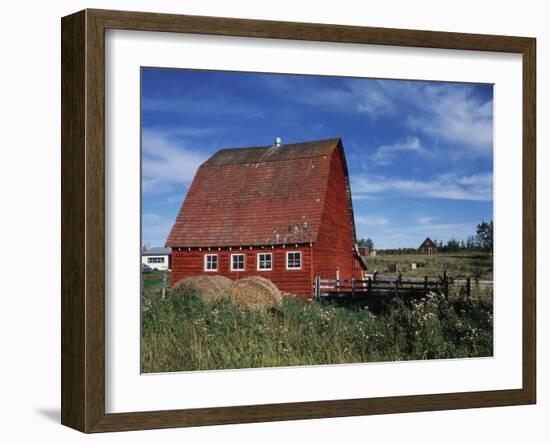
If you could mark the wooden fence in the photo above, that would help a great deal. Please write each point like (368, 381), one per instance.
(356, 289)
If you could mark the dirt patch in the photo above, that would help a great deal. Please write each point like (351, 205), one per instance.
(254, 293)
(209, 288)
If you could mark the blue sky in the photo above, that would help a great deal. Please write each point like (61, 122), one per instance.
(420, 154)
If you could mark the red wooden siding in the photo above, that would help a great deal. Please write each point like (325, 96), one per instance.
(190, 263)
(333, 249)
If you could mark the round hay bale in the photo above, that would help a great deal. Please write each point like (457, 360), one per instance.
(254, 293)
(209, 288)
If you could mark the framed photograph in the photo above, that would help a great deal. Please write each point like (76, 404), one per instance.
(267, 220)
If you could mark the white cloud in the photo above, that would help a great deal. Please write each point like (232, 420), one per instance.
(482, 179)
(372, 99)
(372, 220)
(425, 220)
(351, 96)
(166, 162)
(448, 112)
(363, 197)
(385, 154)
(448, 186)
(453, 114)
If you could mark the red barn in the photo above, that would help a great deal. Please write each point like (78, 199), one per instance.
(427, 247)
(283, 212)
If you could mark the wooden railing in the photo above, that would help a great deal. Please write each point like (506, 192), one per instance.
(358, 288)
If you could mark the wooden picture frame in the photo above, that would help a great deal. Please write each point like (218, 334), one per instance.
(83, 220)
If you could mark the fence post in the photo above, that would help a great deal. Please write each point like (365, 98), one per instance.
(397, 281)
(164, 285)
(374, 275)
(369, 286)
(468, 288)
(445, 284)
(353, 288)
(317, 287)
(425, 285)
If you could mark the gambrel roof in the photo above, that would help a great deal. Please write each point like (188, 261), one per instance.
(267, 195)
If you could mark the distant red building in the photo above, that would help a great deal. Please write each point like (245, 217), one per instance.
(366, 251)
(427, 247)
(283, 212)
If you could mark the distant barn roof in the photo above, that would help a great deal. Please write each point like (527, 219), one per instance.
(257, 196)
(428, 243)
(157, 251)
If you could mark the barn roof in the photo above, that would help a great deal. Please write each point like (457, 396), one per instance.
(265, 154)
(257, 196)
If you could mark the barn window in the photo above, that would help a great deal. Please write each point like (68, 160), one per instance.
(237, 262)
(265, 261)
(293, 260)
(155, 260)
(210, 263)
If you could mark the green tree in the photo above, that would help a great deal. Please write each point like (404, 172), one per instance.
(369, 243)
(471, 242)
(452, 245)
(366, 242)
(485, 235)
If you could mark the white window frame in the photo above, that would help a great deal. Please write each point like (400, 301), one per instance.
(206, 269)
(258, 262)
(244, 262)
(294, 268)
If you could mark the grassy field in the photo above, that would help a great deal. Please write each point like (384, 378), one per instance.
(476, 265)
(183, 333)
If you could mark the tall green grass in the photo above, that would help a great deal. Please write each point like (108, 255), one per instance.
(183, 333)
